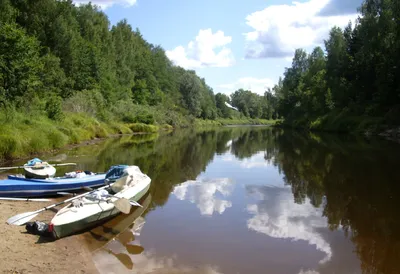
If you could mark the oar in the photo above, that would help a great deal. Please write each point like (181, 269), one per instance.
(123, 205)
(15, 167)
(66, 193)
(135, 203)
(24, 199)
(134, 249)
(22, 218)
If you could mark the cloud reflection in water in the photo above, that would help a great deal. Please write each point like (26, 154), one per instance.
(203, 193)
(278, 216)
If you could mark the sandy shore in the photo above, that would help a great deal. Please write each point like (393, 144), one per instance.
(25, 253)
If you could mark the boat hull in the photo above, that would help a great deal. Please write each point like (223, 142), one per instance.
(44, 172)
(63, 230)
(22, 187)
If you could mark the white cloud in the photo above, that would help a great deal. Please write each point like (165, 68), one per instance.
(203, 193)
(256, 85)
(279, 29)
(107, 3)
(257, 160)
(278, 216)
(207, 50)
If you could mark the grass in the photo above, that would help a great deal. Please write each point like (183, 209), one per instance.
(23, 137)
(143, 128)
(228, 122)
(338, 121)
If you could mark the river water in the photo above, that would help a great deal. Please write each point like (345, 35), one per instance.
(251, 200)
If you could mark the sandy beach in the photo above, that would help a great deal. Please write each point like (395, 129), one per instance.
(25, 253)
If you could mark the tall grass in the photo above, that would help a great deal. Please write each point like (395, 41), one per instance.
(55, 123)
(235, 121)
(23, 137)
(143, 128)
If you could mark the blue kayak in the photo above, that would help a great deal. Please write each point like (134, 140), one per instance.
(16, 186)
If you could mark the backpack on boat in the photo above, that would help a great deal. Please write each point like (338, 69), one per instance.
(38, 228)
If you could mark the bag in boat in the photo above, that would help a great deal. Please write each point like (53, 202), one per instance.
(98, 195)
(38, 228)
(34, 161)
(124, 176)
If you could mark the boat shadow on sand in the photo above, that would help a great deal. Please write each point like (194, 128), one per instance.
(117, 228)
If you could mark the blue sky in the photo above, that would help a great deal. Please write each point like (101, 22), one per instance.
(232, 43)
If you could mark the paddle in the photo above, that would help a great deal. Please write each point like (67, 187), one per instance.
(66, 193)
(15, 167)
(135, 203)
(24, 199)
(23, 218)
(134, 249)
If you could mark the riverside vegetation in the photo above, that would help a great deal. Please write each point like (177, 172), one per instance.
(354, 86)
(67, 75)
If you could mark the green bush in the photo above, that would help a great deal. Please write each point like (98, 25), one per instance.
(129, 118)
(144, 118)
(54, 108)
(8, 146)
(142, 128)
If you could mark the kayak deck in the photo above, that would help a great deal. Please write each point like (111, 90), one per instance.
(16, 186)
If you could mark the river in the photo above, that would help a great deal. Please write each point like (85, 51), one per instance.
(251, 200)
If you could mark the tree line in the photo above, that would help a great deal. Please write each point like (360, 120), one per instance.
(55, 57)
(358, 74)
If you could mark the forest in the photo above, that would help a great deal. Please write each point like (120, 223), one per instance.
(67, 75)
(58, 58)
(355, 82)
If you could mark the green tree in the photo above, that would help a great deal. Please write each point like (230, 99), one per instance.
(190, 88)
(20, 63)
(223, 110)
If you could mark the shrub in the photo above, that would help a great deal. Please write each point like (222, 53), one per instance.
(145, 118)
(54, 108)
(143, 128)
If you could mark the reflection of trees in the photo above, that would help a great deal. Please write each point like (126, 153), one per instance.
(358, 178)
(169, 159)
(360, 182)
(255, 140)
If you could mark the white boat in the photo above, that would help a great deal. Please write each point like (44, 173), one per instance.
(38, 169)
(90, 210)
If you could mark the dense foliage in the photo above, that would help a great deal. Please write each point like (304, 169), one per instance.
(358, 75)
(57, 58)
(67, 58)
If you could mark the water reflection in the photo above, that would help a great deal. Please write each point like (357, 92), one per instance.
(278, 216)
(300, 203)
(115, 237)
(203, 193)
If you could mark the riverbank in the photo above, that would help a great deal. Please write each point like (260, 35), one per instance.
(26, 253)
(342, 122)
(23, 137)
(232, 122)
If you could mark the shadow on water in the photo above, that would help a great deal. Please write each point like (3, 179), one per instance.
(354, 181)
